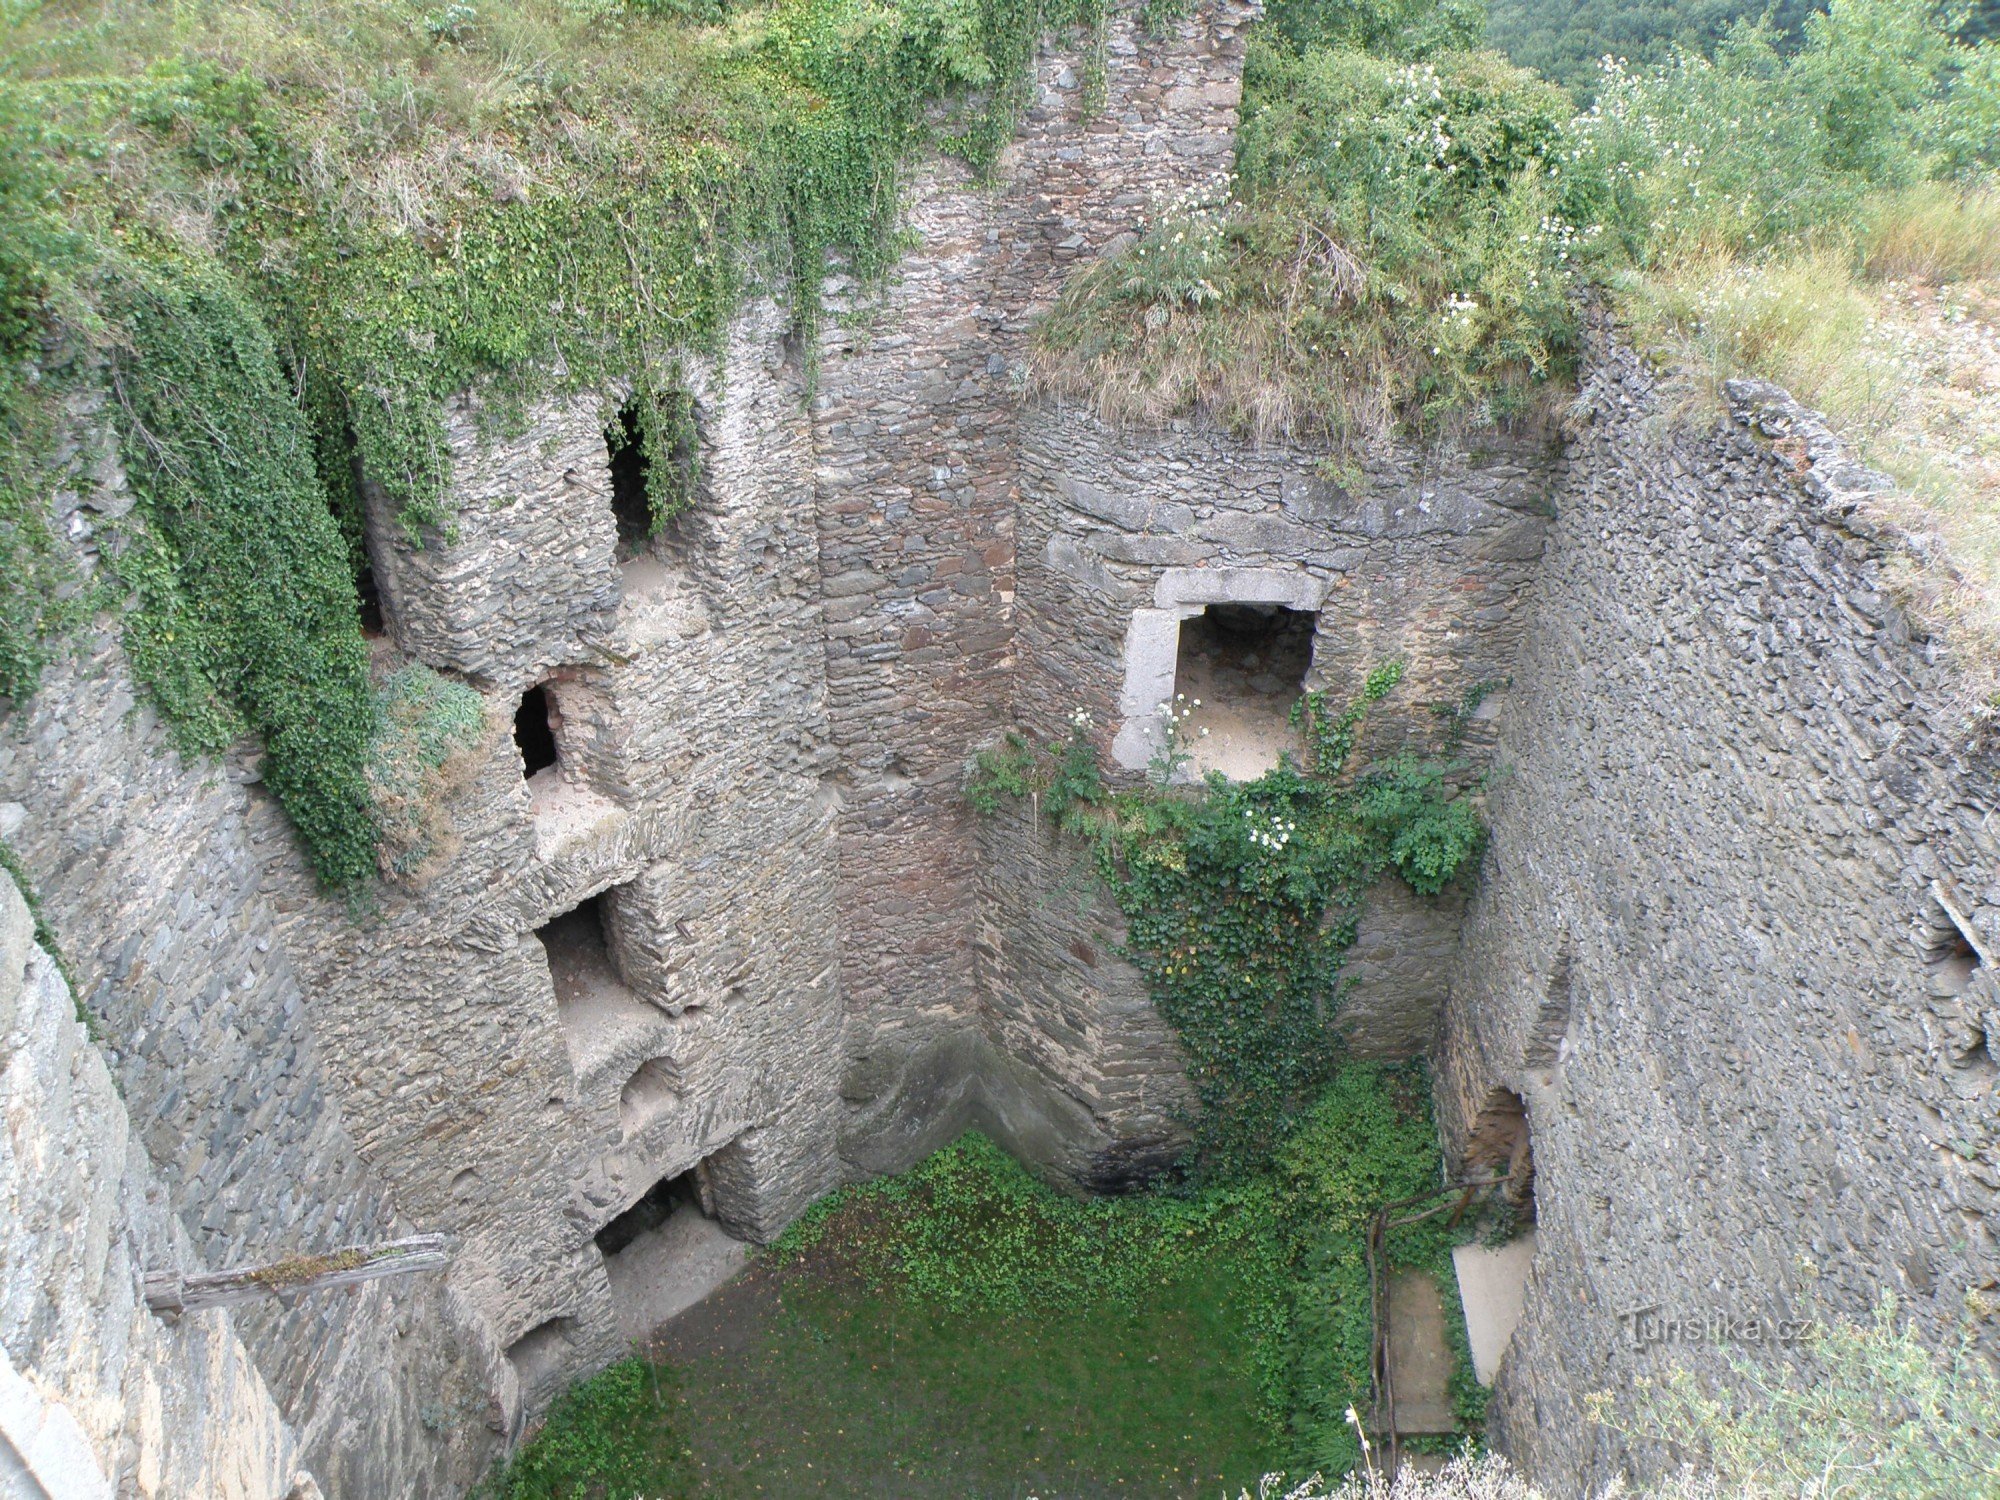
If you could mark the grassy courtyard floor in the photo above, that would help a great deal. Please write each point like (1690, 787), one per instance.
(961, 1330)
(798, 1381)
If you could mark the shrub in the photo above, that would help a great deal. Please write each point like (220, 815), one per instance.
(1870, 1410)
(1751, 148)
(606, 1438)
(1240, 898)
(1393, 258)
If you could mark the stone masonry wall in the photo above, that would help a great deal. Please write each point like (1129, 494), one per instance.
(916, 443)
(1733, 940)
(523, 1084)
(97, 1395)
(1428, 558)
(155, 876)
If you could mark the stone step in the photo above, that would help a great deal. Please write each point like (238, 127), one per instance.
(1419, 1355)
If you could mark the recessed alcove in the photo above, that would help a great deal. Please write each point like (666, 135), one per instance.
(535, 730)
(661, 1202)
(541, 1358)
(1501, 1149)
(639, 487)
(374, 623)
(654, 1090)
(611, 1032)
(667, 1252)
(1246, 665)
(1950, 955)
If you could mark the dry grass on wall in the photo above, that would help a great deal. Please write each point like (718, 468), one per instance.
(1897, 341)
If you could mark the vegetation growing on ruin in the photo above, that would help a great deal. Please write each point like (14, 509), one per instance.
(962, 1328)
(1240, 898)
(428, 734)
(290, 235)
(604, 1439)
(1392, 253)
(1409, 228)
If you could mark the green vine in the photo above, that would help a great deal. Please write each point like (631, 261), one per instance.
(245, 613)
(1241, 899)
(292, 277)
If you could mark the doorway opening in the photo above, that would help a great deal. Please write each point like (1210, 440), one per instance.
(1501, 1147)
(667, 1252)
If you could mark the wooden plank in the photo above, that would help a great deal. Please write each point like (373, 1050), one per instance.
(171, 1293)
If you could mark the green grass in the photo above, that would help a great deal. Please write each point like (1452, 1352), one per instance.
(848, 1390)
(961, 1330)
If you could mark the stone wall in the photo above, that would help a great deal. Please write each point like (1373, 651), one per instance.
(522, 1078)
(1733, 931)
(97, 1395)
(1427, 557)
(1732, 941)
(168, 884)
(916, 444)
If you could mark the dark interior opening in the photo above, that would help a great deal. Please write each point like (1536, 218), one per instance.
(534, 730)
(373, 623)
(1246, 665)
(625, 440)
(650, 1212)
(1950, 956)
(340, 466)
(578, 949)
(1502, 1148)
(1259, 650)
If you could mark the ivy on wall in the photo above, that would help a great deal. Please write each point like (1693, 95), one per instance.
(298, 239)
(245, 614)
(1241, 898)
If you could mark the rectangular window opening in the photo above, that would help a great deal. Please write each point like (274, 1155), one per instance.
(1245, 665)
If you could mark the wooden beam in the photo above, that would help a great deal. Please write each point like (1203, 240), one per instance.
(170, 1293)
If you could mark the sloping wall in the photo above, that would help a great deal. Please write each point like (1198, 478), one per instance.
(1711, 948)
(97, 1395)
(170, 885)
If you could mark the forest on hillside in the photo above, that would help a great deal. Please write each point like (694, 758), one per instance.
(1565, 39)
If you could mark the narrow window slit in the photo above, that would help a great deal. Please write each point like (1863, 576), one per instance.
(534, 730)
(630, 480)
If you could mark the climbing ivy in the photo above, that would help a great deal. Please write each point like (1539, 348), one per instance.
(633, 242)
(244, 610)
(294, 244)
(1241, 899)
